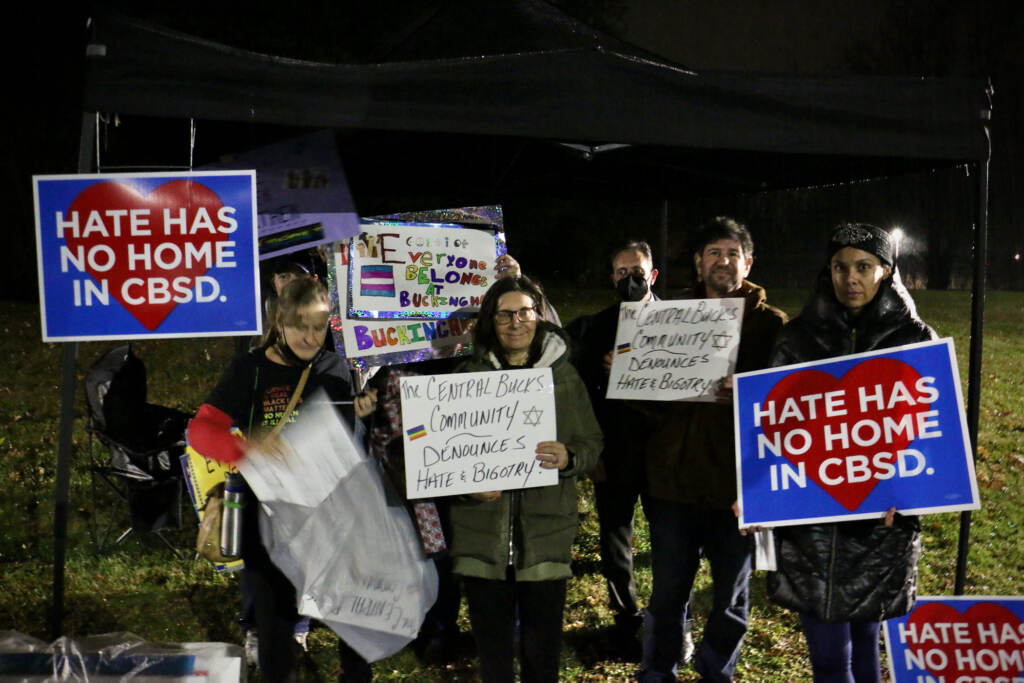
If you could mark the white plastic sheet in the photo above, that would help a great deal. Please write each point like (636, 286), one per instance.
(116, 657)
(331, 526)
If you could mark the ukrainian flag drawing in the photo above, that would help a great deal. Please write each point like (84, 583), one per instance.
(416, 432)
(624, 348)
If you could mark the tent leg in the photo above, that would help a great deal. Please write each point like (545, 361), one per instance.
(67, 420)
(974, 367)
(662, 264)
(60, 512)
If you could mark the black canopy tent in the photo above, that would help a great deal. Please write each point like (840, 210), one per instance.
(543, 78)
(581, 87)
(517, 88)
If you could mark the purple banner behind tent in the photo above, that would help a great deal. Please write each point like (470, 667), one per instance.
(303, 195)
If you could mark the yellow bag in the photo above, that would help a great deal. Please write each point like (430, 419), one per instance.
(208, 538)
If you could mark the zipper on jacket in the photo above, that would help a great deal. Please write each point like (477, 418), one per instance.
(513, 505)
(830, 577)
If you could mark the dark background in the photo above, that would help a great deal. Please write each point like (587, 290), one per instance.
(565, 237)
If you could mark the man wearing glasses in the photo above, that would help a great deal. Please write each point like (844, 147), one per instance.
(691, 474)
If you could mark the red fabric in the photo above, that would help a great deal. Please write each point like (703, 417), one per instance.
(209, 434)
(429, 524)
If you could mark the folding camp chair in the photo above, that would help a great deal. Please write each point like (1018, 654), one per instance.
(135, 448)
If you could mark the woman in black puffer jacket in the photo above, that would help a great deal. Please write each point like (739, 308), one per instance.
(845, 578)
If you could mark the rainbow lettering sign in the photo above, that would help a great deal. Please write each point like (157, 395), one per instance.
(390, 340)
(146, 255)
(966, 639)
(401, 270)
(851, 437)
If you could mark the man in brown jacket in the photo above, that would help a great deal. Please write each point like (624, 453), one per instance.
(691, 474)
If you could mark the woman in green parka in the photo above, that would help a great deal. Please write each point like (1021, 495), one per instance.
(513, 548)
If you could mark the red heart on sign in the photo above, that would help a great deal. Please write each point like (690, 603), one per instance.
(148, 267)
(985, 640)
(892, 380)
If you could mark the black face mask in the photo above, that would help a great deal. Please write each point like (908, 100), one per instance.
(290, 356)
(632, 288)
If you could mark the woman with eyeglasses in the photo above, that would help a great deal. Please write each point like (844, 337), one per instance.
(513, 548)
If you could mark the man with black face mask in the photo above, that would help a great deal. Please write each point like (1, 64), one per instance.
(619, 478)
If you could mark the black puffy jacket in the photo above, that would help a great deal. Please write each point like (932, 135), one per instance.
(861, 570)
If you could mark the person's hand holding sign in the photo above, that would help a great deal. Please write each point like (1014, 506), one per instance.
(723, 390)
(606, 362)
(745, 530)
(552, 455)
(365, 403)
(506, 266)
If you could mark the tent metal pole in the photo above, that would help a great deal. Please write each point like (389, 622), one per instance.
(663, 251)
(67, 423)
(974, 367)
(60, 513)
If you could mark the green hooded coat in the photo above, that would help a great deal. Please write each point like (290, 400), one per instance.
(531, 529)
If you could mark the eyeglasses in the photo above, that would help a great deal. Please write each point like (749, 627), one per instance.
(523, 315)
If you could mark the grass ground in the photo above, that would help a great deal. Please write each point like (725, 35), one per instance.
(143, 588)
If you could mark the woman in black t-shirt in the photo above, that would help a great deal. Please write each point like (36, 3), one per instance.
(252, 396)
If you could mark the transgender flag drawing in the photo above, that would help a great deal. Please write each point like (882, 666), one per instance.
(377, 281)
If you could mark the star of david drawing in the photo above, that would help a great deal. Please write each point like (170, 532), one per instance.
(531, 417)
(721, 341)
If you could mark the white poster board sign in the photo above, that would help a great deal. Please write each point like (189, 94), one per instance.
(477, 431)
(675, 350)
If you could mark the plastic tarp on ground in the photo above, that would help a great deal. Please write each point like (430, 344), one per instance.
(117, 657)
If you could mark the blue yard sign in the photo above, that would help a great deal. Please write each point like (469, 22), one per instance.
(129, 256)
(849, 438)
(962, 639)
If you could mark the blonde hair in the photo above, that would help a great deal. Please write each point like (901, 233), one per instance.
(285, 309)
